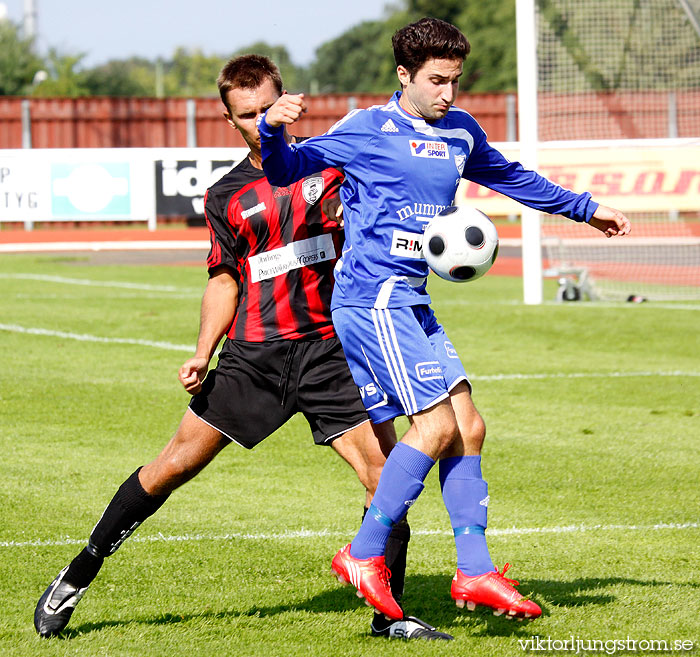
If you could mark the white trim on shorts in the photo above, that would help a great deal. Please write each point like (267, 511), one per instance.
(343, 432)
(224, 434)
(459, 379)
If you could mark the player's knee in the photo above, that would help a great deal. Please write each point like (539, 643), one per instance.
(180, 468)
(449, 434)
(370, 476)
(167, 473)
(476, 432)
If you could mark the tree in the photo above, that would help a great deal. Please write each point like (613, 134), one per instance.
(18, 63)
(192, 73)
(489, 25)
(490, 28)
(64, 77)
(446, 10)
(295, 78)
(361, 59)
(128, 77)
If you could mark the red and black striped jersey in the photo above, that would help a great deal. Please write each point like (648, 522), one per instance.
(281, 248)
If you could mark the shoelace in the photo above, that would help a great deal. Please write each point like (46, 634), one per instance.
(512, 582)
(384, 575)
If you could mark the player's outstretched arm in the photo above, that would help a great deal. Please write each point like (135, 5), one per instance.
(286, 110)
(218, 309)
(610, 221)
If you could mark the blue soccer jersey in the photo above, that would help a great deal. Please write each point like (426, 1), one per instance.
(399, 172)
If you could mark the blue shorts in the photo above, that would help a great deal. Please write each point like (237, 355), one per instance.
(400, 358)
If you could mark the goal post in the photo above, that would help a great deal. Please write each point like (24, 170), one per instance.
(526, 37)
(610, 71)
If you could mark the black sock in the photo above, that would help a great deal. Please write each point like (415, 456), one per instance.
(395, 559)
(395, 556)
(83, 569)
(130, 506)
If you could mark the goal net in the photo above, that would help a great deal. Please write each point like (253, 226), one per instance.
(624, 70)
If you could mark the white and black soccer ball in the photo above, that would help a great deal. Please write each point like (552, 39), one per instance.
(460, 243)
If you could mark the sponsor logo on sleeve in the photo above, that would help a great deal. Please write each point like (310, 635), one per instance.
(432, 149)
(254, 210)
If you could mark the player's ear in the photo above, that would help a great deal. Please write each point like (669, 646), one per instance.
(229, 120)
(403, 75)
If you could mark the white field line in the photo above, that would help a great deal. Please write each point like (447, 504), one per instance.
(583, 306)
(83, 337)
(92, 283)
(577, 375)
(144, 245)
(325, 533)
(445, 302)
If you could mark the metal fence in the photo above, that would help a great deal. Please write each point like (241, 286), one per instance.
(103, 122)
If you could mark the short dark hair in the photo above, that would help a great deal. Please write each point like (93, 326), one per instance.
(428, 38)
(247, 72)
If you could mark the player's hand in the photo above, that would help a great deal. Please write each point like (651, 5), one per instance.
(610, 221)
(192, 374)
(286, 110)
(333, 209)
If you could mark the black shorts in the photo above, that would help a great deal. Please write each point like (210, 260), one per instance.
(257, 386)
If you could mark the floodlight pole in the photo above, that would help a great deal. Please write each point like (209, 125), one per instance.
(526, 35)
(29, 19)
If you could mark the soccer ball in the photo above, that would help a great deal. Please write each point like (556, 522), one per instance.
(460, 243)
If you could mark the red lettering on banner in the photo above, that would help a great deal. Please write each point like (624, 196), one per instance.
(684, 181)
(606, 184)
(642, 185)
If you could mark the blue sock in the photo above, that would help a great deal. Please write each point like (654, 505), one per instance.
(399, 486)
(465, 495)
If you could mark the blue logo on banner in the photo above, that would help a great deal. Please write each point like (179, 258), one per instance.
(90, 190)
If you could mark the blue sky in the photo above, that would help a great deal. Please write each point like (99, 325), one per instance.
(152, 28)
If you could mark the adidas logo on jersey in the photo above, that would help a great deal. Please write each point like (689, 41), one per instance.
(389, 126)
(282, 191)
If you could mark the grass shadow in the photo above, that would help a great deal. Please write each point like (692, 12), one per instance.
(427, 596)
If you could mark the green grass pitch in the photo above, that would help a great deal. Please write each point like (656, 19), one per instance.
(593, 421)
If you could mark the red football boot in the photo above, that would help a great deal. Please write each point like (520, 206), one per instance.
(493, 590)
(371, 579)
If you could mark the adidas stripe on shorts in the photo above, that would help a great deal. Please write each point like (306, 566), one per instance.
(400, 358)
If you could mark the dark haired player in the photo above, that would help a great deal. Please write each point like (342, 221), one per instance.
(400, 160)
(270, 265)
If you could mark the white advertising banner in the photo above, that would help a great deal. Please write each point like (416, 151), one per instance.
(138, 184)
(112, 184)
(24, 188)
(631, 175)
